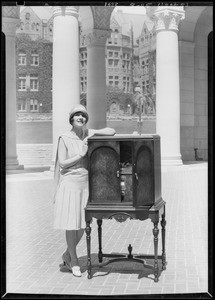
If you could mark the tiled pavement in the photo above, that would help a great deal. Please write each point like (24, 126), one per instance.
(34, 248)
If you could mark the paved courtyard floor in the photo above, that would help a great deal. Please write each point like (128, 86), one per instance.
(34, 248)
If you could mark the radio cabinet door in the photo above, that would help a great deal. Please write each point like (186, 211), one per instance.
(104, 174)
(143, 173)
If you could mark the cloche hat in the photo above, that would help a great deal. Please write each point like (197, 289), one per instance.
(78, 108)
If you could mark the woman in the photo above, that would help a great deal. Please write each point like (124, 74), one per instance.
(71, 175)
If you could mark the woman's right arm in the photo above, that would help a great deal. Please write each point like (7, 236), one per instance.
(65, 162)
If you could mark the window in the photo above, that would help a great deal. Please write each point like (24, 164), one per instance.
(116, 61)
(33, 26)
(110, 62)
(110, 77)
(22, 58)
(34, 105)
(34, 83)
(143, 87)
(34, 59)
(110, 54)
(37, 27)
(27, 26)
(147, 85)
(51, 28)
(27, 16)
(82, 86)
(116, 54)
(22, 83)
(21, 105)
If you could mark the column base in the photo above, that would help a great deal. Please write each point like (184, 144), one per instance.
(171, 160)
(13, 164)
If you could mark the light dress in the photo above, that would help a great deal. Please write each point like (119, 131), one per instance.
(72, 190)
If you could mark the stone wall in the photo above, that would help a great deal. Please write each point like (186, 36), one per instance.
(34, 154)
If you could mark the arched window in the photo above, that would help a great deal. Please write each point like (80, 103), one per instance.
(37, 27)
(51, 27)
(33, 26)
(27, 16)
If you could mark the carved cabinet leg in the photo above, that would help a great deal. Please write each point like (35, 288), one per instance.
(155, 233)
(89, 265)
(99, 222)
(163, 225)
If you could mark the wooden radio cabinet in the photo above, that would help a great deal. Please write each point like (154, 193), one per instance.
(125, 182)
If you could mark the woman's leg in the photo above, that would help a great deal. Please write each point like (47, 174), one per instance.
(71, 239)
(79, 234)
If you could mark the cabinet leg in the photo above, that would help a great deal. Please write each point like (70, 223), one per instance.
(163, 232)
(89, 265)
(155, 233)
(99, 222)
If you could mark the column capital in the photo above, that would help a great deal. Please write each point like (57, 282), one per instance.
(97, 37)
(65, 11)
(168, 17)
(9, 26)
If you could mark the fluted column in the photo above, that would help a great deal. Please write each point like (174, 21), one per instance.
(10, 22)
(65, 78)
(96, 78)
(167, 82)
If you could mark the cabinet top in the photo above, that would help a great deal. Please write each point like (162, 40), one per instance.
(125, 137)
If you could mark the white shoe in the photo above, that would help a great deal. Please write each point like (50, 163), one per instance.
(76, 271)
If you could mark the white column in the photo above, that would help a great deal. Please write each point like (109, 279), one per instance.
(167, 83)
(96, 78)
(65, 78)
(9, 25)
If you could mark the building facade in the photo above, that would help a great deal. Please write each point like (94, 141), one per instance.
(127, 62)
(183, 75)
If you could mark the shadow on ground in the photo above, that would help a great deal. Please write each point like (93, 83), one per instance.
(122, 267)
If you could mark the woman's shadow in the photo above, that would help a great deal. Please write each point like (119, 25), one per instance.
(144, 269)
